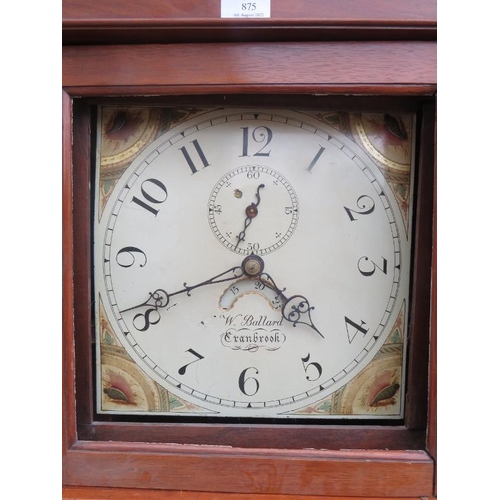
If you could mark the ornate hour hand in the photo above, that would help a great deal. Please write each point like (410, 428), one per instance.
(251, 212)
(295, 309)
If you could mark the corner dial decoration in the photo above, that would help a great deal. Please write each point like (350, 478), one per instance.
(252, 263)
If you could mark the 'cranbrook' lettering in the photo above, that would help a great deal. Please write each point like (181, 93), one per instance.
(247, 339)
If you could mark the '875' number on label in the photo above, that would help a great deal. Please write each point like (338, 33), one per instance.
(237, 8)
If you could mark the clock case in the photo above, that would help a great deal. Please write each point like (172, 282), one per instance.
(258, 458)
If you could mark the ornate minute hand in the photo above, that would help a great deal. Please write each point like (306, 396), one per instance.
(251, 212)
(295, 309)
(160, 298)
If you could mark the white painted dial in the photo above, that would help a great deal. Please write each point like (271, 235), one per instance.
(334, 265)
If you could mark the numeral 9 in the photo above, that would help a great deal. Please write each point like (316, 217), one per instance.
(124, 261)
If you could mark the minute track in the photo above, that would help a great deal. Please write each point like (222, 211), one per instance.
(255, 360)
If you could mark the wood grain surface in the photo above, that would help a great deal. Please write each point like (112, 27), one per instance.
(232, 470)
(175, 12)
(127, 21)
(390, 67)
(68, 357)
(82, 493)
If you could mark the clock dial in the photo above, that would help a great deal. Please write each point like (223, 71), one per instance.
(252, 263)
(248, 191)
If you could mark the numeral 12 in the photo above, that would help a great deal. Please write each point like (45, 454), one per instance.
(260, 134)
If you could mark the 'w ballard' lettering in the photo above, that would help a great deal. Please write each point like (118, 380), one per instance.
(251, 320)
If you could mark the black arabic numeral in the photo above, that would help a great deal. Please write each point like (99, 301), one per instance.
(260, 135)
(315, 159)
(125, 257)
(253, 174)
(313, 364)
(253, 247)
(259, 285)
(374, 266)
(147, 321)
(199, 357)
(353, 328)
(153, 191)
(245, 383)
(200, 153)
(365, 204)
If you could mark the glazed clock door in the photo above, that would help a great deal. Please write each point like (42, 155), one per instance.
(252, 263)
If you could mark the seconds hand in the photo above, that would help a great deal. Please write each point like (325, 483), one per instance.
(251, 212)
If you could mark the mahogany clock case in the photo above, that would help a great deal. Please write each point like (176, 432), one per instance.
(407, 434)
(371, 56)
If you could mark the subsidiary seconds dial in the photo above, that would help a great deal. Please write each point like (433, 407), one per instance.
(253, 209)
